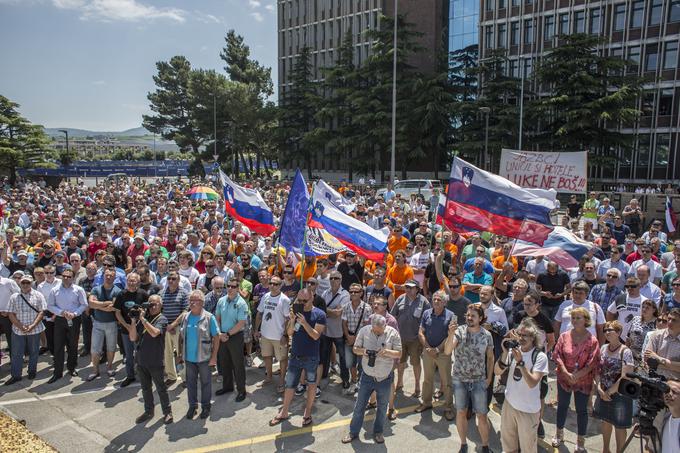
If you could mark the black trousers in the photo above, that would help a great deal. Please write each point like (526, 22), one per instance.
(146, 376)
(68, 337)
(6, 328)
(49, 336)
(86, 325)
(230, 355)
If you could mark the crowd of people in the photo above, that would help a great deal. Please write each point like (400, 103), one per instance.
(183, 292)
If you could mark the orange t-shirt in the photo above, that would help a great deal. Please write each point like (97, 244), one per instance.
(398, 276)
(310, 270)
(394, 244)
(500, 260)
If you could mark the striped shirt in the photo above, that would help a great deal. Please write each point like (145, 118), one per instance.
(358, 318)
(25, 314)
(174, 303)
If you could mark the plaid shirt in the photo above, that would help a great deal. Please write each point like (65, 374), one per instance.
(25, 314)
(355, 319)
(604, 296)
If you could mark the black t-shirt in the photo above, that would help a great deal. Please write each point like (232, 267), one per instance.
(459, 308)
(150, 288)
(319, 303)
(433, 283)
(351, 274)
(542, 321)
(573, 209)
(150, 349)
(15, 266)
(140, 296)
(553, 284)
(250, 274)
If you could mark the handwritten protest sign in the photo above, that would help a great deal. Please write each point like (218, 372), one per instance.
(564, 172)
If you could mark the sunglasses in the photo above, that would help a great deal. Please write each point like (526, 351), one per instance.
(355, 292)
(630, 286)
(275, 284)
(232, 286)
(612, 276)
(172, 279)
(454, 286)
(609, 330)
(332, 278)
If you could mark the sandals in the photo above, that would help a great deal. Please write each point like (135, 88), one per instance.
(92, 377)
(306, 421)
(372, 405)
(277, 420)
(422, 408)
(416, 394)
(557, 440)
(392, 414)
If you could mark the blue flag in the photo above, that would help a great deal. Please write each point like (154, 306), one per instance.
(293, 223)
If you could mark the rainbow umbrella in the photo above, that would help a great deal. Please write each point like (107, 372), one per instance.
(202, 193)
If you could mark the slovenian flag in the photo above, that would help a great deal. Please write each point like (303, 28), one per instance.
(671, 218)
(324, 190)
(247, 206)
(479, 200)
(561, 246)
(352, 233)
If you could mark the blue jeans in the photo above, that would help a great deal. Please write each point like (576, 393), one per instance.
(382, 390)
(19, 344)
(295, 366)
(194, 372)
(471, 394)
(581, 403)
(326, 355)
(129, 347)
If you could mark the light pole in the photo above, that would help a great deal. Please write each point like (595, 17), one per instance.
(486, 111)
(393, 156)
(155, 161)
(65, 132)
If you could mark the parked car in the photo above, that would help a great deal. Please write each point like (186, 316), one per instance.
(421, 187)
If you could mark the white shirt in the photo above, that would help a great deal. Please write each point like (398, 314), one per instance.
(420, 260)
(323, 284)
(190, 273)
(632, 308)
(274, 310)
(655, 269)
(670, 440)
(518, 393)
(651, 291)
(494, 313)
(621, 265)
(564, 315)
(46, 288)
(184, 283)
(536, 268)
(7, 288)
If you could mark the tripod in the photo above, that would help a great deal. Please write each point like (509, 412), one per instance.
(645, 431)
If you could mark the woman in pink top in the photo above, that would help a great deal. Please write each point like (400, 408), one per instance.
(577, 355)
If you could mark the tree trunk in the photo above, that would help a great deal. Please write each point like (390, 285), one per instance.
(245, 164)
(259, 163)
(436, 162)
(349, 164)
(250, 162)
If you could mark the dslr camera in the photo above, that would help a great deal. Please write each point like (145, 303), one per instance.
(371, 357)
(649, 393)
(134, 309)
(510, 344)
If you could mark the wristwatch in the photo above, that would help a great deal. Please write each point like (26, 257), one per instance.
(520, 363)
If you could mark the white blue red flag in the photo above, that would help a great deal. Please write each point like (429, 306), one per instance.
(247, 206)
(479, 200)
(561, 246)
(324, 190)
(671, 218)
(350, 232)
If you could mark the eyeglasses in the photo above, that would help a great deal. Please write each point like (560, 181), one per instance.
(612, 276)
(355, 292)
(232, 286)
(50, 273)
(630, 286)
(172, 279)
(609, 330)
(275, 284)
(334, 278)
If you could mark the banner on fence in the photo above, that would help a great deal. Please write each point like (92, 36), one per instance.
(564, 172)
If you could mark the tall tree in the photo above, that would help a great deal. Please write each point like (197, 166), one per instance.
(22, 144)
(173, 104)
(590, 97)
(241, 68)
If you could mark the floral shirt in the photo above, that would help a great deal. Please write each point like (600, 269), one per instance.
(575, 357)
(611, 364)
(470, 354)
(637, 332)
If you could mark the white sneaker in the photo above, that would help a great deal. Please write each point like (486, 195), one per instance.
(352, 388)
(218, 378)
(335, 368)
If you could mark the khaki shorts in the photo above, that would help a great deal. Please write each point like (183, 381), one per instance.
(273, 348)
(412, 349)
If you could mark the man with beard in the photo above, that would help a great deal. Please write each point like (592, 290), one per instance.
(270, 327)
(129, 298)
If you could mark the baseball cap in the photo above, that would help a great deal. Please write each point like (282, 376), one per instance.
(22, 253)
(411, 283)
(26, 278)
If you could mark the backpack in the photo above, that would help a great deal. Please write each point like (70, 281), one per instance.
(499, 388)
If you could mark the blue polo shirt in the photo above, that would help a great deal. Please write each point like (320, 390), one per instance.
(436, 328)
(231, 312)
(191, 336)
(470, 277)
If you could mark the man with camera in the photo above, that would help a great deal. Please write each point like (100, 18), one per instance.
(526, 365)
(379, 345)
(305, 325)
(663, 346)
(147, 330)
(67, 301)
(670, 433)
(129, 300)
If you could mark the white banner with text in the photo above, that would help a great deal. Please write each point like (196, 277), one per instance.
(564, 172)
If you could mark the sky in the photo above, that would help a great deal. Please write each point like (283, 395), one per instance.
(89, 64)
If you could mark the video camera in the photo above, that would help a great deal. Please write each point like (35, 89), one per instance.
(649, 393)
(134, 309)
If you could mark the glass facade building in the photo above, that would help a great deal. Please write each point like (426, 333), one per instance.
(463, 24)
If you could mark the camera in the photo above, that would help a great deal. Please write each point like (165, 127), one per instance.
(649, 393)
(510, 344)
(371, 357)
(134, 309)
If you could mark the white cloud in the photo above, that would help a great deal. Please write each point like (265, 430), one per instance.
(207, 18)
(120, 10)
(257, 16)
(99, 82)
(270, 8)
(254, 3)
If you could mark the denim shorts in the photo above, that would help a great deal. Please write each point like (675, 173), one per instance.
(475, 391)
(101, 331)
(295, 366)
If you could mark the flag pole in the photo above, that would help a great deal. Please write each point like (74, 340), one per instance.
(303, 246)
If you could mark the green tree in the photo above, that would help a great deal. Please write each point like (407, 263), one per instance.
(590, 97)
(22, 144)
(241, 68)
(173, 105)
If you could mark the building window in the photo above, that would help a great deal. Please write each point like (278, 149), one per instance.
(637, 15)
(580, 22)
(619, 17)
(548, 27)
(488, 41)
(514, 69)
(648, 102)
(661, 155)
(674, 11)
(515, 2)
(489, 5)
(501, 4)
(666, 102)
(595, 22)
(642, 156)
(502, 38)
(528, 31)
(655, 12)
(528, 67)
(514, 33)
(670, 55)
(633, 59)
(564, 24)
(651, 60)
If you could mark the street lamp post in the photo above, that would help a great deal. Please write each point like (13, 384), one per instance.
(155, 160)
(393, 156)
(65, 132)
(486, 160)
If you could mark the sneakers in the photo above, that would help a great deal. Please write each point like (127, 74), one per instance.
(318, 393)
(351, 389)
(145, 417)
(127, 381)
(335, 368)
(249, 361)
(541, 430)
(300, 389)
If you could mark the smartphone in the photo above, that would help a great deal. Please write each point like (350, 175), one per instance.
(298, 308)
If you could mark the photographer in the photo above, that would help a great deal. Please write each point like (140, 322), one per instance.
(148, 332)
(126, 300)
(663, 346)
(670, 433)
(379, 345)
(526, 366)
